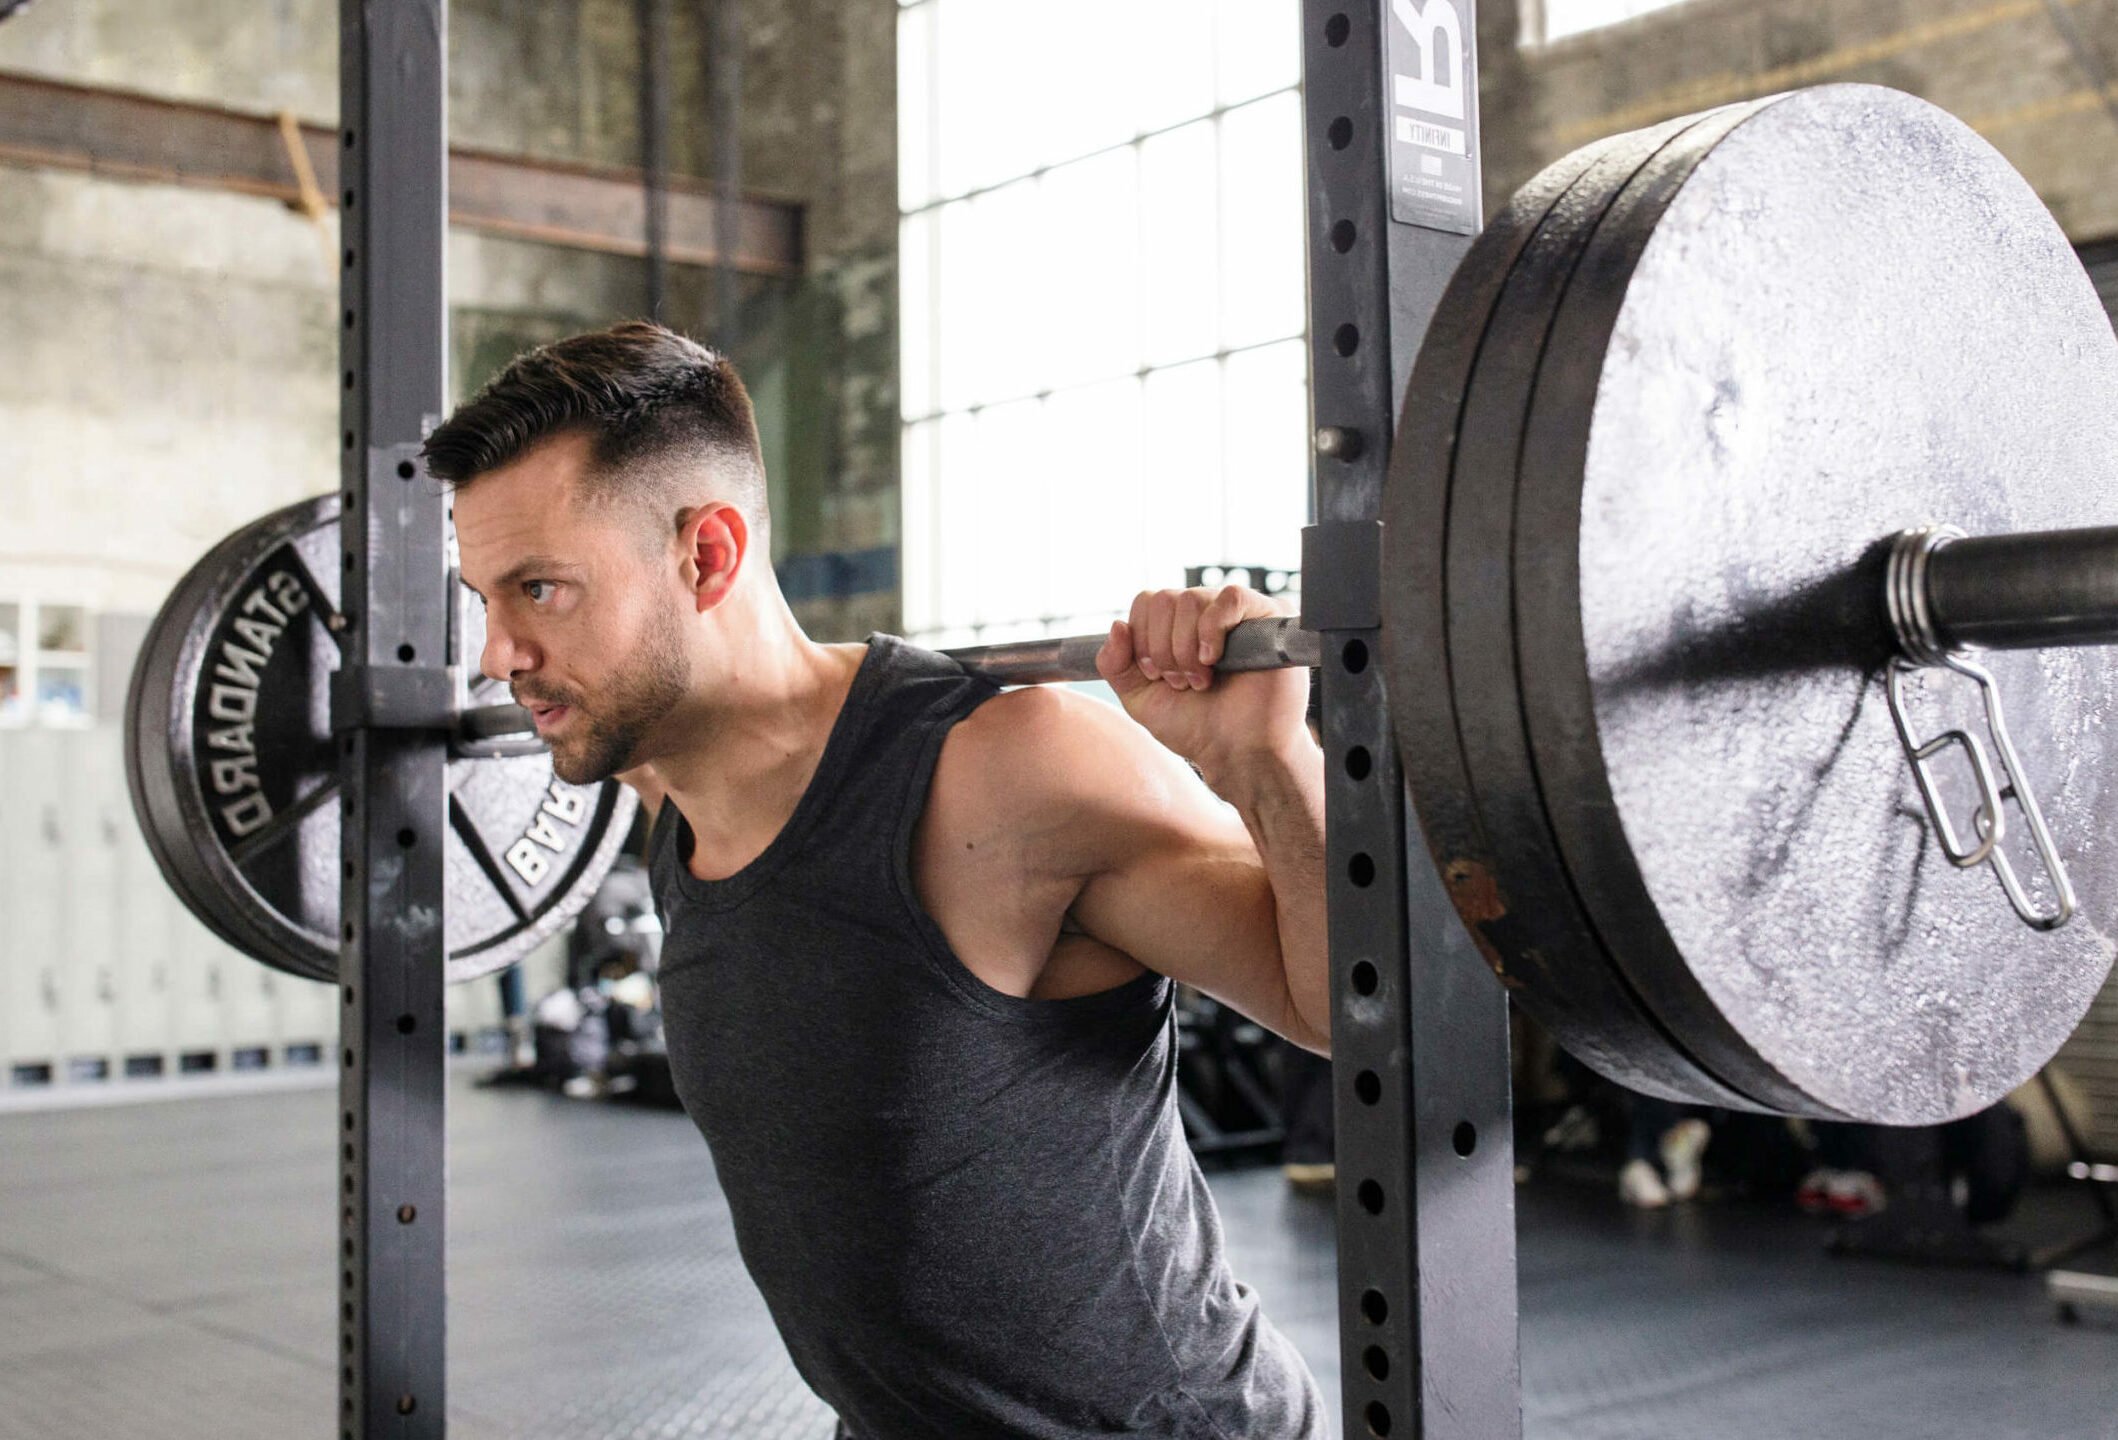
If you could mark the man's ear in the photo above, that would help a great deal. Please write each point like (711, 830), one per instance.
(715, 539)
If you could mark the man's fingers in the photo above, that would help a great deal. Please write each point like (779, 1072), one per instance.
(1152, 643)
(1115, 661)
(1184, 641)
(1222, 614)
(1139, 627)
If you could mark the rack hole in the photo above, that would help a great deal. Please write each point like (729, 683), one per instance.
(1343, 235)
(1354, 656)
(406, 1214)
(406, 470)
(1368, 1086)
(1346, 339)
(1365, 977)
(1378, 1417)
(349, 1121)
(1464, 1138)
(349, 440)
(1336, 29)
(348, 928)
(406, 1024)
(349, 319)
(1359, 762)
(407, 838)
(406, 654)
(1374, 1308)
(1361, 870)
(1376, 1361)
(1371, 1196)
(349, 1059)
(406, 1404)
(1339, 133)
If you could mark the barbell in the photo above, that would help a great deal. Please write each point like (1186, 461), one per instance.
(1696, 668)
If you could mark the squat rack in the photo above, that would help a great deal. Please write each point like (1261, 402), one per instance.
(1426, 1220)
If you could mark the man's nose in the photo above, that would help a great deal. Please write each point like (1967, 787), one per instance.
(502, 658)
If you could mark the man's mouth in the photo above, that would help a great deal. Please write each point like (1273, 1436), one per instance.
(547, 717)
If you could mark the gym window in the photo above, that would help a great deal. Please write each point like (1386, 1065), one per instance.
(1545, 20)
(1102, 309)
(46, 664)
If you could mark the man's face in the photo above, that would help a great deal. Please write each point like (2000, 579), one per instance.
(583, 618)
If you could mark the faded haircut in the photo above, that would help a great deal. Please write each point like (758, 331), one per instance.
(656, 409)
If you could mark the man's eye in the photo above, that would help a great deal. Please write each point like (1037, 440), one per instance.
(538, 591)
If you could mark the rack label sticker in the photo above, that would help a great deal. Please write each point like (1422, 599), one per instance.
(1433, 143)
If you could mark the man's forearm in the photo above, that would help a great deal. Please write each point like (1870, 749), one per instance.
(1280, 795)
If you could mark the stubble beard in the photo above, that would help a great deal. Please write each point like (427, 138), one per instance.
(630, 705)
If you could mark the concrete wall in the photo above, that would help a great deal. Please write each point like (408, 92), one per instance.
(167, 356)
(2003, 66)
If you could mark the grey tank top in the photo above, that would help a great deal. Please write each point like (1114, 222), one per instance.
(972, 1215)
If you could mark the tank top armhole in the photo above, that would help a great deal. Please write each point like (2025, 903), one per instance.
(1152, 988)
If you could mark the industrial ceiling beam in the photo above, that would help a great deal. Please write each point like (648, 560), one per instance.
(55, 125)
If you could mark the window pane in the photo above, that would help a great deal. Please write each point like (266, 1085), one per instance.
(988, 305)
(919, 557)
(1088, 274)
(1258, 47)
(1267, 461)
(915, 314)
(1012, 553)
(1095, 532)
(62, 628)
(915, 119)
(981, 56)
(1183, 508)
(1179, 193)
(1177, 82)
(955, 523)
(1261, 220)
(1072, 82)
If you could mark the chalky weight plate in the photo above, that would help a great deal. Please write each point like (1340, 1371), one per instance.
(1480, 611)
(1585, 1004)
(234, 775)
(1850, 318)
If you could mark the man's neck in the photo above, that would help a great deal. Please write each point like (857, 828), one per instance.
(744, 753)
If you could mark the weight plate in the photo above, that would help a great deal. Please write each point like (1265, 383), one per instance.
(234, 773)
(1850, 317)
(1584, 1005)
(1502, 783)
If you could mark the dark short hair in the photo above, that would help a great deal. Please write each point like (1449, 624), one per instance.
(642, 394)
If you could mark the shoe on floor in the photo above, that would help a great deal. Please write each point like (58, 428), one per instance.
(1682, 1146)
(1855, 1195)
(1813, 1195)
(1311, 1178)
(1640, 1186)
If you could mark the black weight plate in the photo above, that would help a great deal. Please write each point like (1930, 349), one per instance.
(1586, 989)
(234, 775)
(1582, 1004)
(1848, 318)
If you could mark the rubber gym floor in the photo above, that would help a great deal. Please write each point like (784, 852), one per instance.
(166, 1271)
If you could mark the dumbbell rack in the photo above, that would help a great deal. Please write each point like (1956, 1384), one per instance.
(1426, 1202)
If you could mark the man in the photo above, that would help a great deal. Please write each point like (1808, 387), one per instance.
(921, 935)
